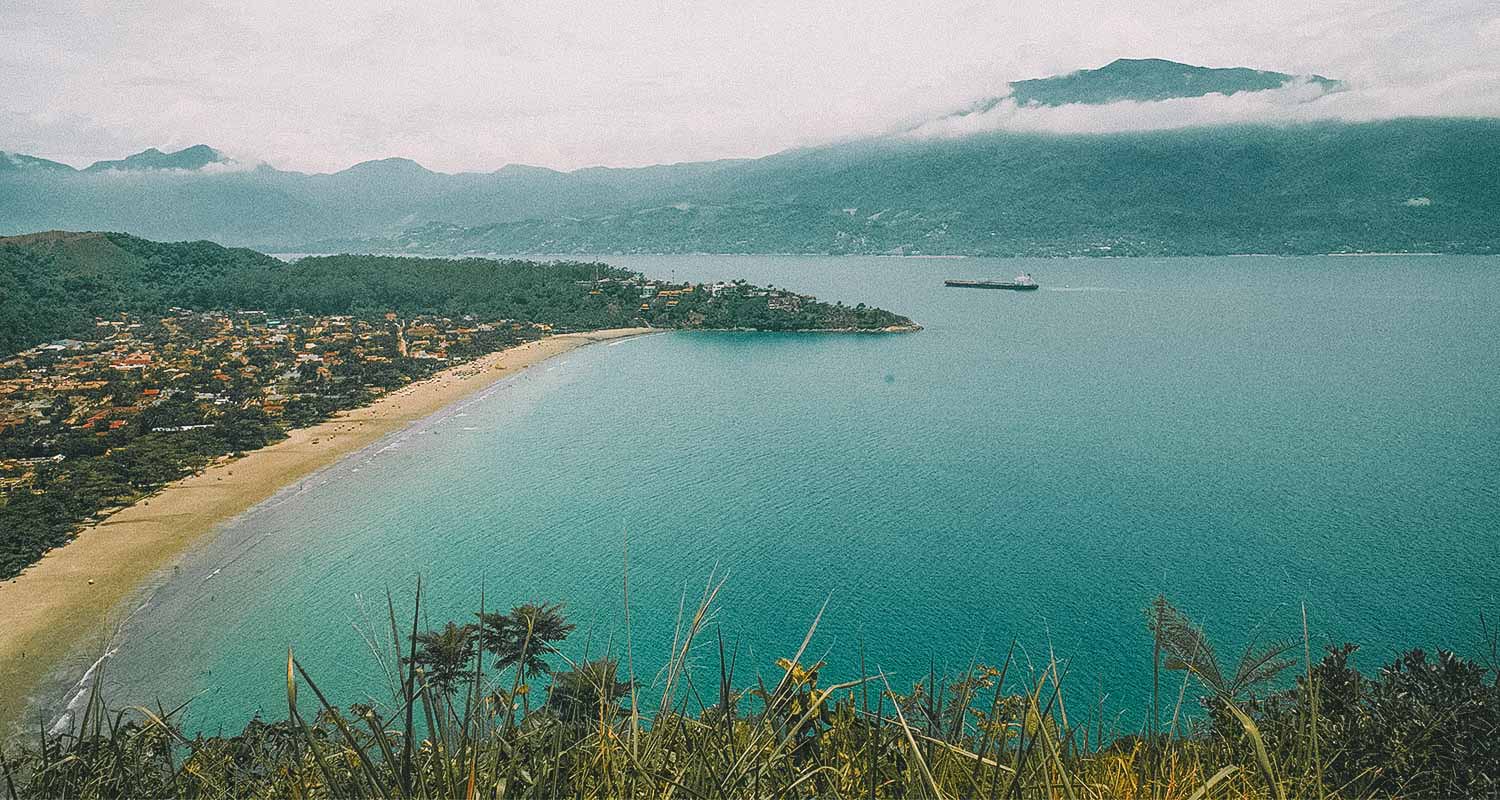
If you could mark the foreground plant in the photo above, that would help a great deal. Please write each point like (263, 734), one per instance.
(1419, 728)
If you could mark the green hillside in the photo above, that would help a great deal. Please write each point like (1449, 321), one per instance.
(54, 284)
(1408, 185)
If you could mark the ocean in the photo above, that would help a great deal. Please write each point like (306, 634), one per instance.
(1243, 435)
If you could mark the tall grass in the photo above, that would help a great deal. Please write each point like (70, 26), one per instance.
(459, 727)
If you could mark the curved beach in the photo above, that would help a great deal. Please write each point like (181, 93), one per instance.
(74, 595)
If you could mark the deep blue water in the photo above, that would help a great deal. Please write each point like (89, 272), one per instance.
(1241, 434)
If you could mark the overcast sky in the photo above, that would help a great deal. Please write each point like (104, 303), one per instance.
(318, 86)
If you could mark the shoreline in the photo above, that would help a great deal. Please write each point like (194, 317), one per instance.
(75, 592)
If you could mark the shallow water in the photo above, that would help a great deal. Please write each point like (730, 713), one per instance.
(1243, 434)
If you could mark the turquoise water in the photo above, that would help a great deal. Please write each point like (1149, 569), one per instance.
(1243, 434)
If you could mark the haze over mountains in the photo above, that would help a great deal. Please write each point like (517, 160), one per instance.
(947, 186)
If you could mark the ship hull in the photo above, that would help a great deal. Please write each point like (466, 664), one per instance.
(1014, 287)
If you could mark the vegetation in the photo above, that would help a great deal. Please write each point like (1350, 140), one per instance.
(64, 494)
(56, 284)
(567, 295)
(461, 726)
(1398, 186)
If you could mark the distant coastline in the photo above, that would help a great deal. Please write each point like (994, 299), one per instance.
(56, 608)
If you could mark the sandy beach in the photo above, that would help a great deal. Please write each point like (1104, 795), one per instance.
(72, 597)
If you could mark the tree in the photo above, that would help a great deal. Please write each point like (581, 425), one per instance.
(524, 635)
(520, 639)
(1187, 648)
(445, 656)
(590, 691)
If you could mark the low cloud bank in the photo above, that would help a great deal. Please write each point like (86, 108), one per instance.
(1464, 94)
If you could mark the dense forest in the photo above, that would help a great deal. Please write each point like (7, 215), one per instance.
(567, 295)
(55, 285)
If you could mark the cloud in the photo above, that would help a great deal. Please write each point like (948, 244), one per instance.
(1299, 101)
(227, 164)
(459, 85)
(225, 167)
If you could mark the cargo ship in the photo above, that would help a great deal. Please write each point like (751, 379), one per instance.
(1022, 283)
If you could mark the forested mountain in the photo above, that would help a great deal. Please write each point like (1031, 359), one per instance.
(1146, 79)
(196, 157)
(1405, 185)
(15, 162)
(1418, 184)
(54, 284)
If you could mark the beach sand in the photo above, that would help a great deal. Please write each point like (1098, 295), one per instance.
(72, 597)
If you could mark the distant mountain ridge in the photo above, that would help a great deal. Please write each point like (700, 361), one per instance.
(1419, 184)
(1408, 185)
(189, 158)
(14, 162)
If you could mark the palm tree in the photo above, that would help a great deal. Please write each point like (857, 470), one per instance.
(521, 637)
(445, 656)
(1187, 648)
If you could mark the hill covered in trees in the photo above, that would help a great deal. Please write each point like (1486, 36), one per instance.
(1401, 186)
(54, 285)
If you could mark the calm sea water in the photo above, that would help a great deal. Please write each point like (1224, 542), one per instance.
(1241, 434)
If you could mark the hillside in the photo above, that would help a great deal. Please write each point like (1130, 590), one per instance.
(196, 157)
(54, 284)
(1409, 185)
(16, 162)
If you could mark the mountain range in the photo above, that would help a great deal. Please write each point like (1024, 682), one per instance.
(1417, 184)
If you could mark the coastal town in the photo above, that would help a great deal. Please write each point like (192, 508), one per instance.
(189, 371)
(194, 370)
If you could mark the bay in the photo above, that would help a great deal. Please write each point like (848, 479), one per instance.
(1244, 435)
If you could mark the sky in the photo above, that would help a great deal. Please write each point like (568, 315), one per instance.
(473, 85)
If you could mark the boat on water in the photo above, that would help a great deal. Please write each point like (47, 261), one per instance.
(1022, 283)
